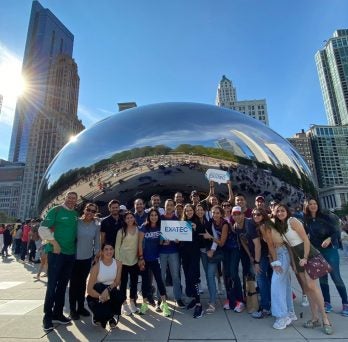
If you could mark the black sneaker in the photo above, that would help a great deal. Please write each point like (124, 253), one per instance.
(47, 324)
(191, 305)
(198, 313)
(61, 319)
(112, 323)
(151, 301)
(83, 312)
(74, 315)
(180, 304)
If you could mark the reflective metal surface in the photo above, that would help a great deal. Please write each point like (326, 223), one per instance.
(167, 147)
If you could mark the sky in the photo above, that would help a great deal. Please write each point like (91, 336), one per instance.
(163, 51)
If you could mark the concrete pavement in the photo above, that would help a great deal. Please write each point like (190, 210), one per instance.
(21, 305)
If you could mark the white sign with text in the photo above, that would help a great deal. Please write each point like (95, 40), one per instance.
(176, 230)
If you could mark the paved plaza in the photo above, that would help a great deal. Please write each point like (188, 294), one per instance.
(21, 305)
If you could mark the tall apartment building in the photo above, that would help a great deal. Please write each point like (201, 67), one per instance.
(302, 142)
(46, 116)
(330, 150)
(226, 96)
(332, 65)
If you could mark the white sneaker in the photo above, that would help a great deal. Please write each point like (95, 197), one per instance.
(305, 301)
(126, 310)
(281, 323)
(133, 307)
(240, 306)
(292, 316)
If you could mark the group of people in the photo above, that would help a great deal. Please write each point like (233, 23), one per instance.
(106, 256)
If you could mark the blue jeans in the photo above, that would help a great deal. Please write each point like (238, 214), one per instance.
(264, 282)
(332, 257)
(210, 270)
(231, 273)
(171, 259)
(58, 274)
(281, 292)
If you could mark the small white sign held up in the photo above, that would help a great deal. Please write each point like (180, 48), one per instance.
(218, 176)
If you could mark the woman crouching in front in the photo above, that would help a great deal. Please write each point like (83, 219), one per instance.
(104, 299)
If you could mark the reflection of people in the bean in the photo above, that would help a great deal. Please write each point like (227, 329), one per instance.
(104, 299)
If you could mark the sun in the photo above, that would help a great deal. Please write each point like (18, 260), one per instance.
(12, 83)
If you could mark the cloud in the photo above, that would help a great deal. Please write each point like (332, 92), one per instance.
(91, 116)
(105, 111)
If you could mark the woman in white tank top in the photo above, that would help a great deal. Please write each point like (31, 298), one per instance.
(295, 236)
(104, 298)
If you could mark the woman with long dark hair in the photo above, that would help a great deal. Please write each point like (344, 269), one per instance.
(217, 235)
(324, 236)
(190, 257)
(282, 306)
(295, 236)
(148, 256)
(263, 269)
(126, 250)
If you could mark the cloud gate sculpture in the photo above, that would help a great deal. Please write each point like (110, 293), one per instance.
(168, 147)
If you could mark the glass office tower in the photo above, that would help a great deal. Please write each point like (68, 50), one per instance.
(46, 39)
(332, 65)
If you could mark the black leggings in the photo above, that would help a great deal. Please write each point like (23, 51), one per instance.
(146, 289)
(190, 260)
(103, 312)
(133, 272)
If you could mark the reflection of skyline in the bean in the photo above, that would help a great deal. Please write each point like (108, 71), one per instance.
(192, 130)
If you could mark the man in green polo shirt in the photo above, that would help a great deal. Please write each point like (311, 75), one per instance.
(59, 229)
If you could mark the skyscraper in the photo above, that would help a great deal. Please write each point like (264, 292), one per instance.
(47, 38)
(46, 115)
(226, 96)
(332, 65)
(303, 144)
(330, 147)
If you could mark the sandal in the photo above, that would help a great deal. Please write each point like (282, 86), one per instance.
(312, 324)
(327, 328)
(210, 310)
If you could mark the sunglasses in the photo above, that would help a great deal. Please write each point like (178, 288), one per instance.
(257, 214)
(226, 205)
(91, 211)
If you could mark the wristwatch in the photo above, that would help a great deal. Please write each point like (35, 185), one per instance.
(256, 262)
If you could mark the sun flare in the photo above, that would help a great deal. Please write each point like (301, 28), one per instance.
(12, 83)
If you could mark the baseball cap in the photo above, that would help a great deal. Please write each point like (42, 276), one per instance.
(123, 207)
(273, 202)
(237, 209)
(259, 198)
